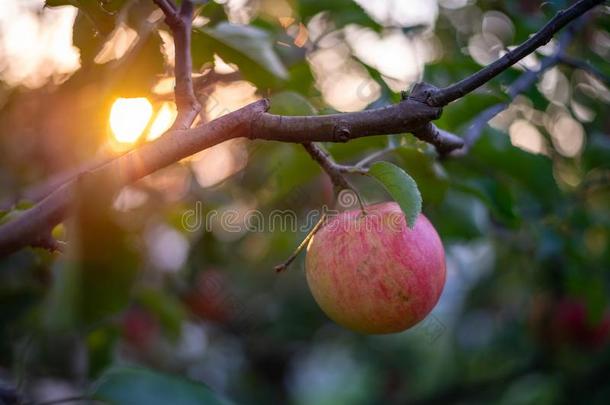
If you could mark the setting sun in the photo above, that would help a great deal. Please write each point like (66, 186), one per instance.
(129, 117)
(163, 120)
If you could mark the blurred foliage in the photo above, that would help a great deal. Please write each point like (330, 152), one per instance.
(157, 300)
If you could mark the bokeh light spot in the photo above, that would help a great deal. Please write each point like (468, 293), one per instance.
(129, 117)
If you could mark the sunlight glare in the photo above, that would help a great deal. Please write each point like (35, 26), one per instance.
(163, 120)
(129, 117)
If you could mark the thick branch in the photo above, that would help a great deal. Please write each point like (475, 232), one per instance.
(407, 116)
(251, 121)
(171, 147)
(463, 87)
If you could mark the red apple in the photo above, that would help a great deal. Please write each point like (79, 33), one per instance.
(372, 274)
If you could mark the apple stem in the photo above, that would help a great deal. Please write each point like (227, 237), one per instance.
(360, 201)
(284, 266)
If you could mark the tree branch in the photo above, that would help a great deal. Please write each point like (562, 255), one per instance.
(168, 7)
(180, 23)
(517, 87)
(171, 147)
(251, 122)
(445, 142)
(334, 170)
(407, 116)
(446, 95)
(284, 266)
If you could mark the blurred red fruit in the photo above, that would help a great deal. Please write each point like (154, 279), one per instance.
(571, 324)
(566, 323)
(139, 327)
(209, 298)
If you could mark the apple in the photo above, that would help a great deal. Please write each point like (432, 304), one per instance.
(373, 274)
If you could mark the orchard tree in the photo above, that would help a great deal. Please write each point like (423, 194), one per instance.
(149, 194)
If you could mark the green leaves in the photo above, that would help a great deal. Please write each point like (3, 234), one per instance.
(248, 47)
(60, 3)
(94, 279)
(127, 386)
(291, 104)
(401, 187)
(342, 12)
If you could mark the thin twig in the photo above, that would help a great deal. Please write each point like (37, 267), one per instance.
(376, 155)
(282, 267)
(467, 85)
(167, 6)
(432, 134)
(517, 87)
(587, 67)
(180, 23)
(334, 171)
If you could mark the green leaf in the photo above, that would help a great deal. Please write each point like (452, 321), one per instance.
(459, 114)
(60, 3)
(248, 47)
(342, 12)
(94, 279)
(166, 307)
(401, 187)
(496, 195)
(134, 386)
(140, 74)
(425, 169)
(291, 104)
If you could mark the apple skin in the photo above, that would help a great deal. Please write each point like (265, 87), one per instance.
(374, 275)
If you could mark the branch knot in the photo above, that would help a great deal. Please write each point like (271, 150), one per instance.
(342, 132)
(423, 92)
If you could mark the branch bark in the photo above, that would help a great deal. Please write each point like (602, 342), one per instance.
(407, 116)
(169, 148)
(180, 23)
(334, 170)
